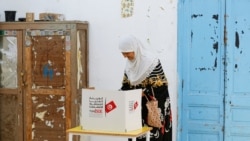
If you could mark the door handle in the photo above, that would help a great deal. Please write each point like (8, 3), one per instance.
(22, 74)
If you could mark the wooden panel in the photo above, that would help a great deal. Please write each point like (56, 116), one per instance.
(48, 61)
(8, 117)
(83, 38)
(48, 118)
(82, 59)
(44, 25)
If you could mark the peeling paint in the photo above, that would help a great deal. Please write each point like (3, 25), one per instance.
(49, 123)
(216, 17)
(40, 115)
(206, 69)
(79, 61)
(34, 99)
(41, 105)
(216, 46)
(237, 40)
(61, 109)
(51, 96)
(61, 99)
(236, 66)
(215, 63)
(196, 15)
(49, 116)
(192, 34)
(33, 134)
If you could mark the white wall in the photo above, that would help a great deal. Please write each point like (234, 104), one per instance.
(153, 21)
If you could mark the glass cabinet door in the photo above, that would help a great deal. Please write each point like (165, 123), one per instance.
(10, 96)
(8, 60)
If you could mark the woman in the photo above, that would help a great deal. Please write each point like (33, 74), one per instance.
(144, 71)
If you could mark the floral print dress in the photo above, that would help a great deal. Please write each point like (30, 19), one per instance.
(156, 82)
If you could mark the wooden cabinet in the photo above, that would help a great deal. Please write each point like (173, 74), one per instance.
(43, 66)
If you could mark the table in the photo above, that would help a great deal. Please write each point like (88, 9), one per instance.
(131, 134)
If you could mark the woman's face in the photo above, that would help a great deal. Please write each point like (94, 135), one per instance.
(129, 55)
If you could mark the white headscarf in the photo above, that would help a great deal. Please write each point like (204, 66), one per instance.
(143, 64)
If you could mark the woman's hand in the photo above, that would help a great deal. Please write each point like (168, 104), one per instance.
(142, 94)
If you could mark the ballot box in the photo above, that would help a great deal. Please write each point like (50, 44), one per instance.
(111, 110)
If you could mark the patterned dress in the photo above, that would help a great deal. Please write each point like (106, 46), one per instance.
(157, 82)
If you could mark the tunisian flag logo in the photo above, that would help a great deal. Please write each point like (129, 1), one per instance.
(135, 105)
(110, 106)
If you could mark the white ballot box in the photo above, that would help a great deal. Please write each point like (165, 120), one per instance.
(115, 111)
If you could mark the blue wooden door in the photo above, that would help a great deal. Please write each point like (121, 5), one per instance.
(214, 70)
(237, 91)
